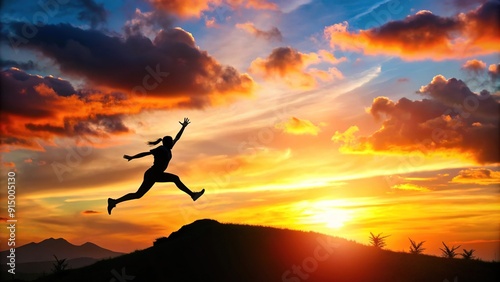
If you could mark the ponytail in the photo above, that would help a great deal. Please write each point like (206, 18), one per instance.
(151, 143)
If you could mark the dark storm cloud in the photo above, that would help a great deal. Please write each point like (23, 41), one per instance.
(49, 11)
(169, 66)
(91, 12)
(29, 65)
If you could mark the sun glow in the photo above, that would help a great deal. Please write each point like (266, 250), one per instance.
(332, 218)
(331, 214)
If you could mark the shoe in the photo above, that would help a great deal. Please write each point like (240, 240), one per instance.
(197, 194)
(111, 205)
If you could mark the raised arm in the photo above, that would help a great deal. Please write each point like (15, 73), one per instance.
(140, 155)
(178, 136)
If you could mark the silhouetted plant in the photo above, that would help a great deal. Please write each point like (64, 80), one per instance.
(468, 254)
(378, 241)
(416, 248)
(59, 265)
(449, 252)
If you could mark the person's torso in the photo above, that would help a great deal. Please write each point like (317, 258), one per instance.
(162, 157)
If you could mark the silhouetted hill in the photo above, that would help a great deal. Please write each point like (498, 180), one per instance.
(206, 250)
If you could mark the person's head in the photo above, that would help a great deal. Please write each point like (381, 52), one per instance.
(167, 141)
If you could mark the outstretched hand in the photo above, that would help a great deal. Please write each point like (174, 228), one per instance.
(185, 123)
(129, 158)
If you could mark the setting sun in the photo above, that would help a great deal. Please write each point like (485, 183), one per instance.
(334, 218)
(332, 214)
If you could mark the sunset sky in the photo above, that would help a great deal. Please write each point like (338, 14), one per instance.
(341, 117)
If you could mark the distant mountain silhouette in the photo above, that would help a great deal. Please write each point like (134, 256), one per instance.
(34, 259)
(46, 249)
(207, 250)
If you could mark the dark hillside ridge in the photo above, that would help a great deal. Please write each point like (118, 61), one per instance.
(207, 250)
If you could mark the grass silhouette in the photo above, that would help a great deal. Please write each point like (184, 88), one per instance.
(416, 248)
(468, 254)
(448, 252)
(378, 241)
(59, 265)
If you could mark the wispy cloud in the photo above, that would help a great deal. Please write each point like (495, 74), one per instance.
(272, 34)
(410, 187)
(299, 126)
(481, 176)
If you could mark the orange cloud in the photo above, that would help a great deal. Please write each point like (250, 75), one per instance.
(195, 8)
(272, 34)
(291, 65)
(183, 8)
(288, 64)
(210, 22)
(450, 120)
(481, 176)
(476, 66)
(299, 127)
(494, 68)
(41, 108)
(494, 71)
(425, 35)
(9, 164)
(328, 75)
(330, 58)
(348, 137)
(90, 212)
(410, 187)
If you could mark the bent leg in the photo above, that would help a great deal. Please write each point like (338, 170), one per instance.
(143, 189)
(169, 177)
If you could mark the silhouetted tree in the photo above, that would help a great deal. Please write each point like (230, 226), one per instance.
(449, 252)
(416, 248)
(468, 254)
(59, 265)
(378, 241)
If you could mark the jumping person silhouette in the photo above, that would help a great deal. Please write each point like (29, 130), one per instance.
(162, 155)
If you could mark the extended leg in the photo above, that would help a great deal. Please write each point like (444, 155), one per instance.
(169, 177)
(143, 189)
